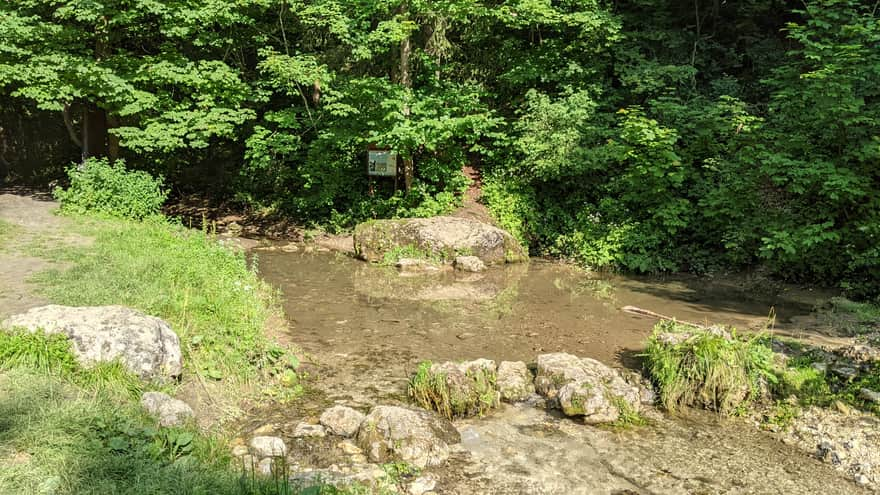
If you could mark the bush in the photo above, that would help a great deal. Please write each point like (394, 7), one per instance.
(109, 189)
(707, 369)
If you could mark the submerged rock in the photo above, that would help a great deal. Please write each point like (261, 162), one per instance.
(341, 420)
(169, 411)
(585, 387)
(146, 345)
(415, 436)
(514, 381)
(445, 237)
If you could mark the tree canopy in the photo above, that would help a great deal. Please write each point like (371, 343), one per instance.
(645, 135)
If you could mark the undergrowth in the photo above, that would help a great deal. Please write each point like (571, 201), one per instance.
(708, 370)
(98, 187)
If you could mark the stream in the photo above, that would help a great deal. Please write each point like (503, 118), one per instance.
(365, 329)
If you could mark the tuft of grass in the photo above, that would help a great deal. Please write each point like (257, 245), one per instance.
(629, 416)
(208, 292)
(708, 370)
(473, 393)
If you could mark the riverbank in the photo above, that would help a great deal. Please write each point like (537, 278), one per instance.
(363, 329)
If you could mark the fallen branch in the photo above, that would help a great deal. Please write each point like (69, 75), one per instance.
(651, 314)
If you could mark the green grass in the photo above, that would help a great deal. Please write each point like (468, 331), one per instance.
(6, 231)
(474, 397)
(209, 294)
(69, 430)
(707, 370)
(814, 387)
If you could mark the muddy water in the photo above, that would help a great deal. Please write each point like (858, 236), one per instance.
(367, 327)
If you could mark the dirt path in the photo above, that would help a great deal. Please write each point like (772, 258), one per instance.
(34, 223)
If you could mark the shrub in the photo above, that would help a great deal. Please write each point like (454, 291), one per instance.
(707, 369)
(109, 189)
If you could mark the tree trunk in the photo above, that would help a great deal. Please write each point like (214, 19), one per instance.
(406, 82)
(112, 140)
(94, 138)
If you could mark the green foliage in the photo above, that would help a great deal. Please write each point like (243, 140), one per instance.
(100, 188)
(706, 369)
(208, 292)
(644, 135)
(474, 393)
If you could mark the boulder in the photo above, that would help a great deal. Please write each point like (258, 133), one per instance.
(415, 436)
(263, 447)
(145, 344)
(169, 411)
(514, 381)
(585, 387)
(341, 420)
(445, 237)
(469, 264)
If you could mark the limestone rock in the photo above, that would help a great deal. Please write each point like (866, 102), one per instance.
(470, 385)
(514, 381)
(169, 411)
(341, 420)
(469, 264)
(585, 387)
(441, 236)
(145, 344)
(304, 430)
(588, 400)
(869, 395)
(268, 447)
(421, 485)
(416, 436)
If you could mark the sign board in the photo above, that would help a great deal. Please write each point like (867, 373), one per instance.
(382, 163)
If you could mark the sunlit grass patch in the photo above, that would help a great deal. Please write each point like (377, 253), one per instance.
(209, 293)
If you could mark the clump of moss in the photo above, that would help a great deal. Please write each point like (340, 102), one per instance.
(454, 390)
(718, 371)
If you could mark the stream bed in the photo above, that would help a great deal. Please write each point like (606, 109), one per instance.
(365, 328)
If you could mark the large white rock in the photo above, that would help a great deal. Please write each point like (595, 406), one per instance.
(146, 345)
(447, 237)
(169, 411)
(418, 437)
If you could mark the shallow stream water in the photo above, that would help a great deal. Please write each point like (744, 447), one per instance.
(367, 327)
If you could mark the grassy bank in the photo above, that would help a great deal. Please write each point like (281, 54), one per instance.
(69, 430)
(207, 291)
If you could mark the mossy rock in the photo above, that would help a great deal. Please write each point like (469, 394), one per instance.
(441, 238)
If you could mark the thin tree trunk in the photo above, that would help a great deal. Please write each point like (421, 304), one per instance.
(112, 139)
(406, 82)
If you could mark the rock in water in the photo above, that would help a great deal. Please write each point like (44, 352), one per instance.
(514, 381)
(446, 237)
(169, 411)
(469, 264)
(585, 387)
(414, 436)
(342, 421)
(145, 344)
